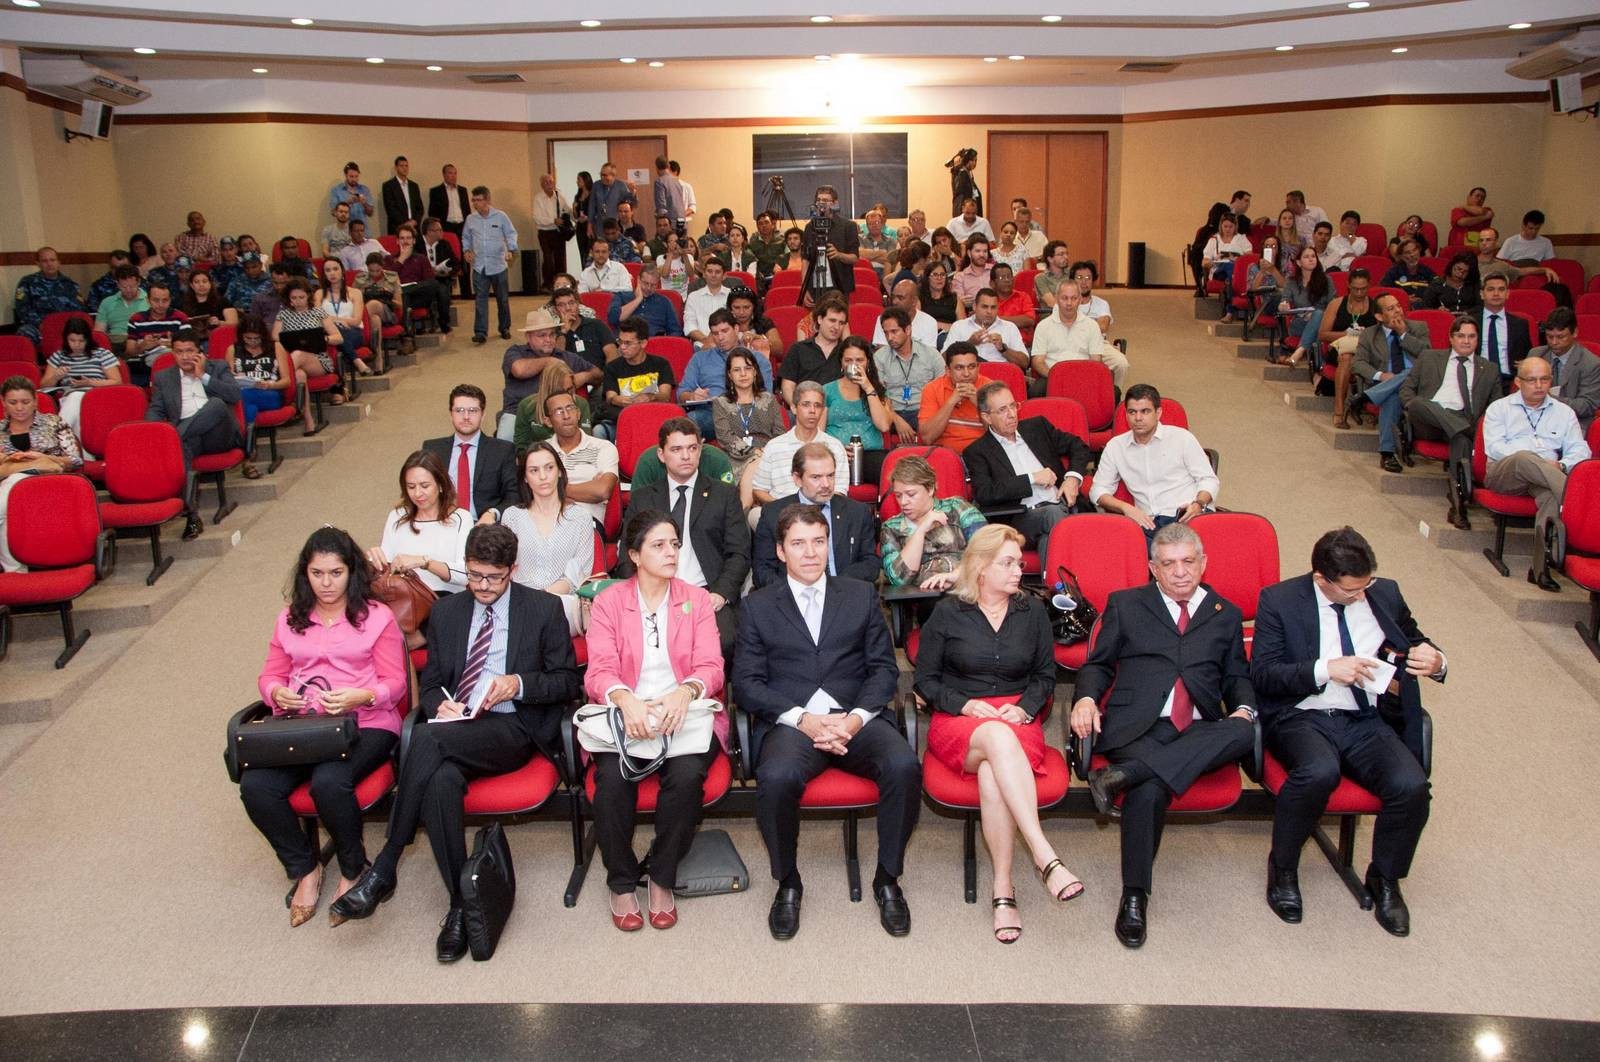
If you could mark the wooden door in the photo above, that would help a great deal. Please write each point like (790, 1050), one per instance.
(637, 153)
(1063, 178)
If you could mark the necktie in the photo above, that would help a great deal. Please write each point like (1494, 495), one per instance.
(1397, 358)
(680, 508)
(827, 514)
(1461, 382)
(476, 657)
(1555, 371)
(405, 193)
(1348, 648)
(813, 617)
(1182, 703)
(464, 480)
(1494, 339)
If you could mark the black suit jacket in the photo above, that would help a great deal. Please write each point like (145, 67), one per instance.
(853, 539)
(1427, 375)
(538, 651)
(442, 255)
(1517, 341)
(717, 533)
(777, 666)
(166, 394)
(439, 202)
(494, 481)
(993, 481)
(394, 205)
(1138, 656)
(1288, 642)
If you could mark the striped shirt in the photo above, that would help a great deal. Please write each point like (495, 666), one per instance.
(91, 364)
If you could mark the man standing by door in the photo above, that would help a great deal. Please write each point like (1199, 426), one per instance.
(548, 206)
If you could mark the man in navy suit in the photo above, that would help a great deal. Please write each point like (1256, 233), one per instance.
(815, 669)
(483, 468)
(852, 532)
(1317, 642)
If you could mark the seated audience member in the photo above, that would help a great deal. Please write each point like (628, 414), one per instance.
(1532, 442)
(906, 295)
(910, 261)
(567, 280)
(877, 243)
(1384, 355)
(267, 378)
(1085, 274)
(336, 628)
(1320, 243)
(921, 545)
(906, 364)
(634, 376)
(105, 285)
(817, 358)
(195, 396)
(747, 417)
(227, 268)
(715, 239)
(707, 374)
(1468, 219)
(938, 298)
(1180, 705)
(1288, 233)
(43, 293)
(949, 416)
(252, 282)
(1488, 258)
(203, 305)
(816, 671)
(1458, 290)
(115, 314)
(150, 330)
(1030, 237)
(917, 226)
(1322, 724)
(555, 536)
(78, 368)
(702, 303)
(511, 695)
(1409, 272)
(336, 235)
(1343, 323)
(1306, 218)
(622, 249)
(346, 310)
(1444, 395)
(1052, 275)
(858, 408)
(995, 339)
(1016, 305)
(381, 289)
(973, 276)
(1217, 258)
(986, 670)
(1345, 247)
(1306, 289)
(35, 443)
(767, 244)
(289, 255)
(420, 287)
(646, 305)
(968, 222)
(754, 329)
(1008, 250)
(587, 337)
(590, 463)
(359, 251)
(303, 332)
(1574, 369)
(530, 425)
(852, 534)
(602, 273)
(794, 252)
(1030, 463)
(1528, 252)
(167, 271)
(441, 256)
(524, 362)
(483, 469)
(195, 243)
(269, 303)
(772, 478)
(641, 662)
(1266, 277)
(678, 264)
(739, 255)
(1169, 475)
(716, 539)
(142, 252)
(426, 533)
(1503, 337)
(1410, 229)
(1065, 335)
(629, 229)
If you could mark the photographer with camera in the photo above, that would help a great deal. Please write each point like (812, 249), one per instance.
(962, 184)
(832, 246)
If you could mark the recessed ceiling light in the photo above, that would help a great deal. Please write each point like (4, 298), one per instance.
(1284, 48)
(374, 59)
(1357, 5)
(821, 18)
(1398, 51)
(991, 58)
(656, 64)
(1520, 25)
(627, 59)
(258, 70)
(145, 51)
(1050, 18)
(1016, 58)
(590, 23)
(26, 3)
(303, 21)
(823, 58)
(435, 69)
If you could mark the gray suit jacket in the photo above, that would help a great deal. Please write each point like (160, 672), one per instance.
(1427, 375)
(166, 399)
(1580, 381)
(1372, 349)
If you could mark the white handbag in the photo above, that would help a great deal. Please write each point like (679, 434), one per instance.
(601, 729)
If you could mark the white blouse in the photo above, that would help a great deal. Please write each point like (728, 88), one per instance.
(656, 676)
(440, 540)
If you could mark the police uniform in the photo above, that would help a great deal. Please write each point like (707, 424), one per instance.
(244, 290)
(38, 296)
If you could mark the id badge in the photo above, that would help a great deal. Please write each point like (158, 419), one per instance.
(749, 441)
(577, 346)
(905, 393)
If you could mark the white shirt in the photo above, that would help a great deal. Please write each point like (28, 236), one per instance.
(1093, 308)
(1025, 463)
(1517, 249)
(452, 213)
(589, 460)
(961, 230)
(1056, 342)
(1502, 320)
(1173, 611)
(1365, 635)
(1342, 251)
(656, 676)
(1163, 475)
(820, 703)
(547, 209)
(964, 329)
(437, 540)
(1551, 431)
(1449, 394)
(614, 277)
(774, 474)
(191, 393)
(405, 194)
(924, 330)
(1217, 249)
(689, 569)
(1033, 243)
(698, 307)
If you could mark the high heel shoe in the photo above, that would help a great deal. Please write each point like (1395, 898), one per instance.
(1011, 902)
(300, 914)
(1068, 891)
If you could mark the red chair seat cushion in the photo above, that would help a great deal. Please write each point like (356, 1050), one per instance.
(218, 462)
(1072, 656)
(1030, 562)
(419, 658)
(866, 493)
(580, 649)
(1504, 504)
(369, 791)
(835, 788)
(913, 642)
(95, 470)
(953, 790)
(718, 779)
(1216, 791)
(46, 587)
(523, 789)
(139, 514)
(1432, 450)
(326, 382)
(1346, 799)
(1585, 571)
(272, 418)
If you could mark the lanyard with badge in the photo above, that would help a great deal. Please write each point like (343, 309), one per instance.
(744, 418)
(905, 374)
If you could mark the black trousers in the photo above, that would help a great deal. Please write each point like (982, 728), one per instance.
(789, 761)
(430, 295)
(1316, 748)
(1174, 760)
(463, 270)
(265, 793)
(1036, 524)
(442, 758)
(677, 815)
(728, 630)
(552, 257)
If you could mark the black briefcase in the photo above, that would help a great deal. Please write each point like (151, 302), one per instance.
(488, 890)
(257, 738)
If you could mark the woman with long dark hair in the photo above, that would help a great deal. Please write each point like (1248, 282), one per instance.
(335, 649)
(266, 377)
(80, 366)
(142, 253)
(425, 533)
(858, 406)
(745, 417)
(1307, 287)
(555, 537)
(580, 214)
(939, 299)
(1458, 289)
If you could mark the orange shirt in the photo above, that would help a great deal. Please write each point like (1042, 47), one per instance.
(963, 427)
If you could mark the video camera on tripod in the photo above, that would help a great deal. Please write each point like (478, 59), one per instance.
(820, 230)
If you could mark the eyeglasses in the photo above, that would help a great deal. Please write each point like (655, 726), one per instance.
(1536, 379)
(1009, 407)
(653, 630)
(486, 578)
(462, 411)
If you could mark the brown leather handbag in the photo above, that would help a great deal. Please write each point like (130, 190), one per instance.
(408, 597)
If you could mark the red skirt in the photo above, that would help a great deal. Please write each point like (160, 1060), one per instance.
(949, 735)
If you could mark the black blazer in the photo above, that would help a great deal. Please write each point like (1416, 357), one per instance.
(394, 205)
(718, 533)
(166, 394)
(1139, 655)
(993, 482)
(1288, 642)
(494, 481)
(442, 254)
(1517, 341)
(538, 651)
(1427, 375)
(776, 666)
(439, 202)
(853, 539)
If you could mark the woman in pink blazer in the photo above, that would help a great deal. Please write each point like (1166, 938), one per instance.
(653, 649)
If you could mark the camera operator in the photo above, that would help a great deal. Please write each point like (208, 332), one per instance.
(838, 238)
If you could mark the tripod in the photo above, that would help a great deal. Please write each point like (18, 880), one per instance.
(777, 200)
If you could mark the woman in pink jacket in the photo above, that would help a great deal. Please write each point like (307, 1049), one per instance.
(653, 649)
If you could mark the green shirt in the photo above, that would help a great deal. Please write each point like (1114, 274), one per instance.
(714, 464)
(768, 252)
(111, 317)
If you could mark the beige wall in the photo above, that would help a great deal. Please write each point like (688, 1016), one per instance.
(1570, 162)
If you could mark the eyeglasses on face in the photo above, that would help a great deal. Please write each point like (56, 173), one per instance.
(487, 578)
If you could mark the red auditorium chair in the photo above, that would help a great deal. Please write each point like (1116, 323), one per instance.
(1065, 413)
(864, 320)
(1429, 233)
(1589, 329)
(861, 295)
(1104, 552)
(1026, 279)
(1535, 303)
(1399, 293)
(53, 527)
(305, 248)
(53, 325)
(21, 349)
(1089, 384)
(1503, 508)
(675, 349)
(28, 370)
(215, 467)
(1374, 261)
(1377, 238)
(784, 297)
(1579, 530)
(737, 277)
(634, 269)
(948, 470)
(672, 297)
(1589, 301)
(1241, 560)
(1009, 374)
(103, 409)
(638, 427)
(785, 278)
(1240, 304)
(390, 245)
(147, 483)
(1438, 322)
(786, 319)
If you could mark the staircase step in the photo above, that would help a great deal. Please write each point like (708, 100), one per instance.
(1208, 309)
(1253, 351)
(1415, 482)
(1313, 403)
(1283, 374)
(1226, 330)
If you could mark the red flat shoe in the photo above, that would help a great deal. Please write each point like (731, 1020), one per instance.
(628, 923)
(664, 919)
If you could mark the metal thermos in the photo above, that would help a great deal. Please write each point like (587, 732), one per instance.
(855, 450)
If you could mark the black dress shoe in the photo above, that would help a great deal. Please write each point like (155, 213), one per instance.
(1104, 785)
(480, 340)
(452, 943)
(1389, 463)
(1458, 518)
(1283, 892)
(1130, 924)
(892, 910)
(784, 918)
(1544, 581)
(193, 528)
(1388, 906)
(363, 898)
(505, 333)
(1405, 455)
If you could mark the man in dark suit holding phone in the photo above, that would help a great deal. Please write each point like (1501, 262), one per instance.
(852, 531)
(500, 672)
(1317, 642)
(482, 468)
(1171, 655)
(815, 670)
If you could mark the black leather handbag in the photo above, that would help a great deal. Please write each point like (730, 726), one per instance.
(1072, 617)
(258, 738)
(488, 890)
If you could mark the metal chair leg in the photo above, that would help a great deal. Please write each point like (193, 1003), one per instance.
(852, 861)
(74, 641)
(969, 857)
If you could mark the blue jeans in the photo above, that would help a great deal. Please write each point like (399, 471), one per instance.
(259, 400)
(1386, 396)
(1304, 329)
(701, 415)
(501, 283)
(352, 337)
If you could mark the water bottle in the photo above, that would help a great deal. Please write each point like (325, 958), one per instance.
(855, 450)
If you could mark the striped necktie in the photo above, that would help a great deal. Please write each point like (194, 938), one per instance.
(476, 657)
